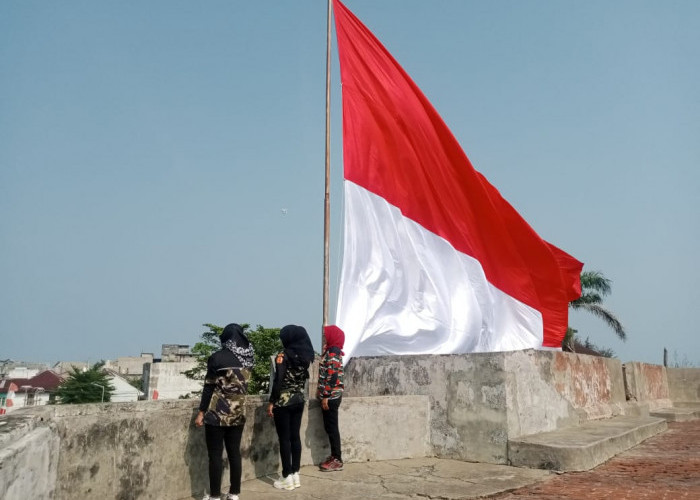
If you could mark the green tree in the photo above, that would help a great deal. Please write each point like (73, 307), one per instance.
(89, 386)
(266, 343)
(595, 286)
(208, 344)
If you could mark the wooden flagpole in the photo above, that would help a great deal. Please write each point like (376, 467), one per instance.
(327, 207)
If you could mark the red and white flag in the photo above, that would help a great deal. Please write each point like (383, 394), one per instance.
(435, 260)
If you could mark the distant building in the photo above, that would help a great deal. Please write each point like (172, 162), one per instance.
(129, 367)
(64, 368)
(20, 369)
(176, 352)
(168, 381)
(165, 377)
(123, 390)
(35, 391)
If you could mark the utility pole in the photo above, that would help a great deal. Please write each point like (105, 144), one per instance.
(103, 390)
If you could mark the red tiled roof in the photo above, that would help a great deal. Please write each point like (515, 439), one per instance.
(46, 380)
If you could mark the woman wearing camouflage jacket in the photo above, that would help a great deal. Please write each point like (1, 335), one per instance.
(287, 400)
(221, 409)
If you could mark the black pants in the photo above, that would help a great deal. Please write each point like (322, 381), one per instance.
(330, 424)
(288, 423)
(216, 438)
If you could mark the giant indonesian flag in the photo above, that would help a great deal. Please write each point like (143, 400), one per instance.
(435, 260)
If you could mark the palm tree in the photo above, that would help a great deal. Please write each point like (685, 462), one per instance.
(594, 286)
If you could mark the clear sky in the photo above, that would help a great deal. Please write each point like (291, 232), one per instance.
(162, 162)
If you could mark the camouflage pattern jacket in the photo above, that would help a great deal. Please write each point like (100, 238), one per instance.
(330, 374)
(288, 384)
(225, 389)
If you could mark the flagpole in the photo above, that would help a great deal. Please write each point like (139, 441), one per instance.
(327, 200)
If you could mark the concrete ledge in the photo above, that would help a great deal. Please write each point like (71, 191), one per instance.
(687, 404)
(582, 447)
(677, 414)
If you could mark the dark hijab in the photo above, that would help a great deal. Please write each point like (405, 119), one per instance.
(235, 340)
(297, 345)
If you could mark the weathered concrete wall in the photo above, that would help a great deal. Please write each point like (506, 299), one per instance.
(683, 385)
(151, 449)
(480, 400)
(451, 406)
(537, 394)
(592, 384)
(467, 398)
(647, 384)
(28, 457)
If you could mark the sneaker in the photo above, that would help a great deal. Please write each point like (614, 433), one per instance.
(325, 463)
(286, 483)
(333, 465)
(231, 496)
(207, 497)
(296, 480)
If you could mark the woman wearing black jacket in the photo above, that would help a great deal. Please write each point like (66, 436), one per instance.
(222, 407)
(287, 400)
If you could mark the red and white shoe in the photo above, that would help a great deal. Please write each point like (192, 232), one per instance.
(332, 465)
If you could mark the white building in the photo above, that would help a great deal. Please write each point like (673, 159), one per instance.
(123, 390)
(168, 381)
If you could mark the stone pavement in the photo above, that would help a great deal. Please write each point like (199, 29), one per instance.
(666, 466)
(399, 479)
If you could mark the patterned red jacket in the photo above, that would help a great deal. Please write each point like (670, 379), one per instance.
(330, 374)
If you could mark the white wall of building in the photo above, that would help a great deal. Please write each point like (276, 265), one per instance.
(167, 381)
(123, 390)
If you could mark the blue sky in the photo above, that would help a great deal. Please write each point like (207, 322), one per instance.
(148, 149)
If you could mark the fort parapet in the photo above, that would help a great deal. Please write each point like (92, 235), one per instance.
(475, 407)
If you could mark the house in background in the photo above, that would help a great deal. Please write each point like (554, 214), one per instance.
(130, 367)
(123, 390)
(19, 392)
(176, 353)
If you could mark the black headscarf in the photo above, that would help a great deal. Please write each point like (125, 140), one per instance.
(297, 345)
(235, 340)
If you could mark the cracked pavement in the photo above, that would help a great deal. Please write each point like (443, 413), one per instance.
(420, 478)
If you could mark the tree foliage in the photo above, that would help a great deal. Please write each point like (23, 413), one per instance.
(208, 344)
(595, 286)
(606, 352)
(265, 341)
(85, 386)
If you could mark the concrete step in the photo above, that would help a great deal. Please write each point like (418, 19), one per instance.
(676, 414)
(582, 447)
